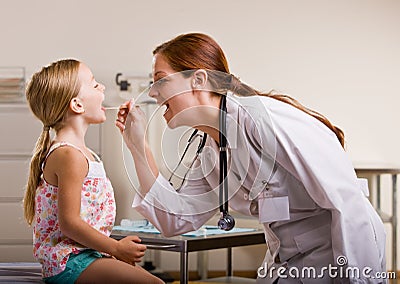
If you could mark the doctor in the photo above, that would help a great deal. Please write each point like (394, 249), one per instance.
(287, 167)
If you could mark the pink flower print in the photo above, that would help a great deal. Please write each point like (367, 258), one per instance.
(87, 194)
(43, 224)
(52, 223)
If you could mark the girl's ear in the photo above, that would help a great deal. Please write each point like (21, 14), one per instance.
(199, 79)
(76, 106)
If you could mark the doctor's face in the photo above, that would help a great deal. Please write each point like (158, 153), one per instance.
(172, 90)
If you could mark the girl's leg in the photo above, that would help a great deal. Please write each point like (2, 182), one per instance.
(110, 270)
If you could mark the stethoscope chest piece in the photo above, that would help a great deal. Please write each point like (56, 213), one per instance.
(226, 222)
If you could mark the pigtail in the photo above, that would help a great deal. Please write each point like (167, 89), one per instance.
(35, 173)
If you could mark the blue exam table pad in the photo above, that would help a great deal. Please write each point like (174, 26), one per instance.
(203, 231)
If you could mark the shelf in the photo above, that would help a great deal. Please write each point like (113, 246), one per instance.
(12, 84)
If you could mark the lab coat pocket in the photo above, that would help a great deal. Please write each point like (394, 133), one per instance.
(273, 208)
(313, 239)
(300, 199)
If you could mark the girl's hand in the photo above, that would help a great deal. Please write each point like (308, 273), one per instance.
(130, 250)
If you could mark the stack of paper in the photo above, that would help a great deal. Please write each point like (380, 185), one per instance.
(12, 83)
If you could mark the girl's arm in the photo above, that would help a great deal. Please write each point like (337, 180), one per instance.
(71, 168)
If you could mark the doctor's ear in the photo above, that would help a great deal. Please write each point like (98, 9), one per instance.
(199, 79)
(76, 106)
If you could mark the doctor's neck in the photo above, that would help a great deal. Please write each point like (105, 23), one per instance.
(209, 117)
(213, 132)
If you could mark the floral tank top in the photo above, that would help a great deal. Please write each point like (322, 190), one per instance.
(50, 247)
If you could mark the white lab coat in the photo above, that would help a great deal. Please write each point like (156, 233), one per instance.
(289, 170)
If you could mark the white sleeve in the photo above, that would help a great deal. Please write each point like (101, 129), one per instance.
(176, 213)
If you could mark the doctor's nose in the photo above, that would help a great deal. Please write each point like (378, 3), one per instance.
(154, 92)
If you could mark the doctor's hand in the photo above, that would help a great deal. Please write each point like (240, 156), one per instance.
(131, 121)
(129, 250)
(121, 115)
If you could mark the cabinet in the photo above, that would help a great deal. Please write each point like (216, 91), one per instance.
(20, 130)
(378, 172)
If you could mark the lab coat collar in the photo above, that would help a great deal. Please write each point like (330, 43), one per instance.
(232, 121)
(235, 105)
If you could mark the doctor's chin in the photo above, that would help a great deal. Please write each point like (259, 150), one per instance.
(340, 272)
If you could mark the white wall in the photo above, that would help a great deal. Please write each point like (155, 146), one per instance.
(338, 57)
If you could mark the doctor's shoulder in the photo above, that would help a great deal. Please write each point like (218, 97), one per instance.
(255, 118)
(253, 106)
(255, 109)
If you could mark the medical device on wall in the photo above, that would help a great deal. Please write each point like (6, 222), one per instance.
(130, 86)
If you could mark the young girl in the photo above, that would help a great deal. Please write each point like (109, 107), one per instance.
(69, 199)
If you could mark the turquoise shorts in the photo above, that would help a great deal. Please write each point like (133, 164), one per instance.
(76, 264)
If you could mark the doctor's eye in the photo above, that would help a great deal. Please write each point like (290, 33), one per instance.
(161, 81)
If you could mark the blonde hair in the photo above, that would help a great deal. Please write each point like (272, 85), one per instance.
(49, 94)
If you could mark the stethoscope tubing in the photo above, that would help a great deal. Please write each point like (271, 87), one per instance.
(223, 164)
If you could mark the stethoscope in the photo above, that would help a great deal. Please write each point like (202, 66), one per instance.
(226, 221)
